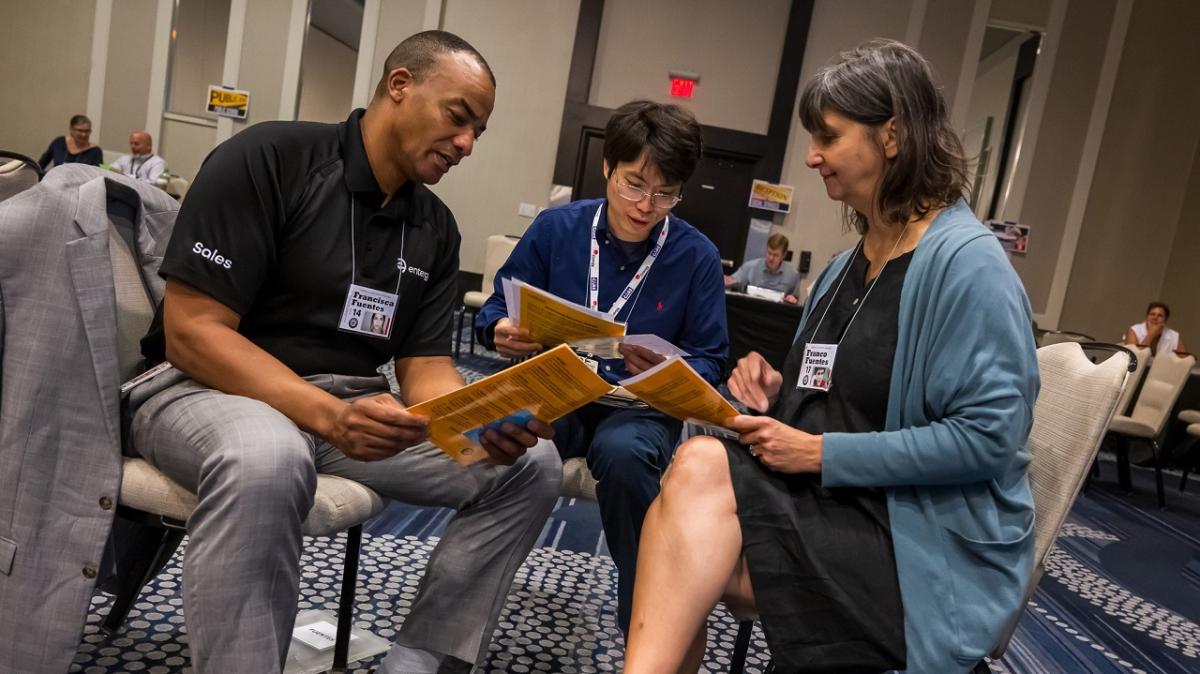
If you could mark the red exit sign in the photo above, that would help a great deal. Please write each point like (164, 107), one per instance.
(681, 87)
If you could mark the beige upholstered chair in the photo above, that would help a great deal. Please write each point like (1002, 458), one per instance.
(499, 247)
(577, 479)
(1076, 401)
(177, 187)
(1135, 378)
(150, 498)
(1163, 384)
(1190, 457)
(1074, 407)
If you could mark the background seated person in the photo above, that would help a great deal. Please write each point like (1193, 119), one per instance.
(882, 520)
(768, 271)
(656, 273)
(75, 147)
(1154, 333)
(282, 367)
(141, 163)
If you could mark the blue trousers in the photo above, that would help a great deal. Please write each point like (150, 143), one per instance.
(627, 451)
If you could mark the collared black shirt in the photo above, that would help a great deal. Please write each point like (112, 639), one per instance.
(266, 231)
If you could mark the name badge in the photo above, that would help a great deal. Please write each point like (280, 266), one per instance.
(593, 364)
(816, 370)
(368, 312)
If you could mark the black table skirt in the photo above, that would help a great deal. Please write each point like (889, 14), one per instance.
(760, 325)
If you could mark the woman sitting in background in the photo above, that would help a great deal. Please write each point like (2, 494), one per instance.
(879, 515)
(75, 147)
(1154, 333)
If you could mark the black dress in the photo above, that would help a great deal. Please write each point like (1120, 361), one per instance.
(820, 559)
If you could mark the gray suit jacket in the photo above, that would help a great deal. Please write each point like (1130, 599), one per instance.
(60, 457)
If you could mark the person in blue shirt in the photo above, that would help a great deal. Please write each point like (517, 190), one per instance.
(653, 272)
(878, 517)
(75, 147)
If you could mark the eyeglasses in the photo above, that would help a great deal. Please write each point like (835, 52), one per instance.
(657, 199)
(83, 130)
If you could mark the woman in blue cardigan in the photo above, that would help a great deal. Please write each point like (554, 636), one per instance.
(878, 515)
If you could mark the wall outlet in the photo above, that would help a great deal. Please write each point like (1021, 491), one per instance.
(527, 210)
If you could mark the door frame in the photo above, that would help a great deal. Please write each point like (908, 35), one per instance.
(580, 118)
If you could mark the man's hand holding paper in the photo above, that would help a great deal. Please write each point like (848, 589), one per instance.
(508, 442)
(550, 320)
(638, 359)
(513, 341)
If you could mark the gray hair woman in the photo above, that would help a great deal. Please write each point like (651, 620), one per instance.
(878, 515)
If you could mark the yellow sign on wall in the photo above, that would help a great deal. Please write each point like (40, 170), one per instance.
(771, 197)
(228, 102)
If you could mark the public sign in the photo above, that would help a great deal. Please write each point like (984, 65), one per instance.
(771, 197)
(228, 102)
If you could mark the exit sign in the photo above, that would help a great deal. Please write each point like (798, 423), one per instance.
(682, 87)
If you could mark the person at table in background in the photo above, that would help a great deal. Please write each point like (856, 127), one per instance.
(1154, 333)
(654, 272)
(314, 223)
(141, 163)
(75, 147)
(880, 520)
(768, 271)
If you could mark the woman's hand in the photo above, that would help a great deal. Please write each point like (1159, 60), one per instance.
(780, 447)
(754, 382)
(513, 341)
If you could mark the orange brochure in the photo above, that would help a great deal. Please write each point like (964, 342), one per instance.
(551, 320)
(546, 387)
(673, 387)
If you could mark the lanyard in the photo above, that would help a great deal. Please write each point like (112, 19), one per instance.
(871, 287)
(400, 264)
(594, 269)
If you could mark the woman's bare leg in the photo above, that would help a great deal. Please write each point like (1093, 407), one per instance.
(691, 546)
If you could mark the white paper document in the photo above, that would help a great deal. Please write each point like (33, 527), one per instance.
(608, 347)
(321, 635)
(764, 293)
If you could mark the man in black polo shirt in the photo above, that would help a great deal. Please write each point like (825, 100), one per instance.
(294, 238)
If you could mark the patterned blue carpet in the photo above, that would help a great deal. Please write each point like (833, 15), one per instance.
(1121, 593)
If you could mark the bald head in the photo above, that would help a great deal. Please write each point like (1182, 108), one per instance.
(140, 143)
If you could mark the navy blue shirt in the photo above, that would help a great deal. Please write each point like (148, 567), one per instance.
(58, 153)
(681, 299)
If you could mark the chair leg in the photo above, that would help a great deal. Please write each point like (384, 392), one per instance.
(458, 333)
(1124, 477)
(142, 568)
(341, 646)
(741, 646)
(1190, 459)
(471, 332)
(1158, 476)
